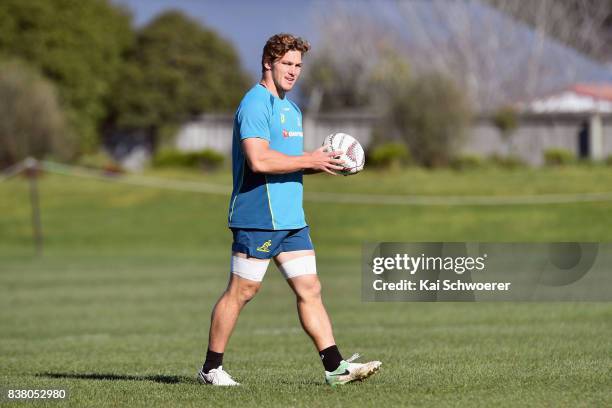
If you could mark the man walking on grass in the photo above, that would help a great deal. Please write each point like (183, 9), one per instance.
(266, 215)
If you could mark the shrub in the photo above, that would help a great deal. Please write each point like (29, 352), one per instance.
(558, 157)
(97, 160)
(467, 162)
(207, 159)
(507, 162)
(389, 155)
(79, 46)
(608, 160)
(431, 114)
(31, 120)
(506, 119)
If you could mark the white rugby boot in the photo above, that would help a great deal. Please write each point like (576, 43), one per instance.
(348, 371)
(216, 376)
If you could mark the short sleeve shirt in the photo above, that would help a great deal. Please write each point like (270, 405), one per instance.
(266, 201)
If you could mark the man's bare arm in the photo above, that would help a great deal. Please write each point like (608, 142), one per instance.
(262, 159)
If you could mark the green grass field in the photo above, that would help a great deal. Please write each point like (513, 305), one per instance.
(117, 309)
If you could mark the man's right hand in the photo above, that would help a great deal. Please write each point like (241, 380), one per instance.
(323, 160)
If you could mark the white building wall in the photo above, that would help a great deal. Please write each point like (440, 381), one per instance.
(535, 134)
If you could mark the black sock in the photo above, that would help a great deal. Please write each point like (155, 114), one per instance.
(213, 360)
(331, 358)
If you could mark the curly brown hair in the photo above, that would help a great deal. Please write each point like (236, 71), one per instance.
(279, 44)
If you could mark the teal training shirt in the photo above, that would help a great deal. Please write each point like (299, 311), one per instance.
(266, 201)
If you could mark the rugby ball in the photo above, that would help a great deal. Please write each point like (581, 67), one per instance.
(353, 157)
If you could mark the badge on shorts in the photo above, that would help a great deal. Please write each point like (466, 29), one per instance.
(265, 247)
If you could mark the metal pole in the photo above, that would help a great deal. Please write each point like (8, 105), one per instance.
(32, 174)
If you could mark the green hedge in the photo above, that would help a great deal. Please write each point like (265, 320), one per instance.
(389, 155)
(558, 157)
(467, 162)
(206, 159)
(506, 162)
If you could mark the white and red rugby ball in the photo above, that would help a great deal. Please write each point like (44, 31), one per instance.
(353, 157)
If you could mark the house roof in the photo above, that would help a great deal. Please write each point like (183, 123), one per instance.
(578, 98)
(596, 91)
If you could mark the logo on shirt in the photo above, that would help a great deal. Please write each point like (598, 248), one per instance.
(265, 247)
(287, 134)
(282, 118)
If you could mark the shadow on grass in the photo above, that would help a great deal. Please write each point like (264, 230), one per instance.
(164, 379)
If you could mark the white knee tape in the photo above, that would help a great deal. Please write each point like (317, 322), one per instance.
(305, 265)
(249, 268)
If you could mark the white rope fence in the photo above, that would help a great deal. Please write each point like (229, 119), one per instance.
(141, 181)
(319, 197)
(376, 199)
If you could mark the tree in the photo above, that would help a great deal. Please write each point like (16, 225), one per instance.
(31, 120)
(361, 64)
(431, 114)
(506, 121)
(585, 25)
(346, 68)
(77, 44)
(484, 49)
(177, 69)
(337, 89)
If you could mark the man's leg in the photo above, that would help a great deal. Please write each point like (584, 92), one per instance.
(244, 283)
(299, 269)
(312, 313)
(225, 313)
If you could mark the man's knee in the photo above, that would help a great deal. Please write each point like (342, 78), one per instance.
(242, 290)
(248, 291)
(308, 288)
